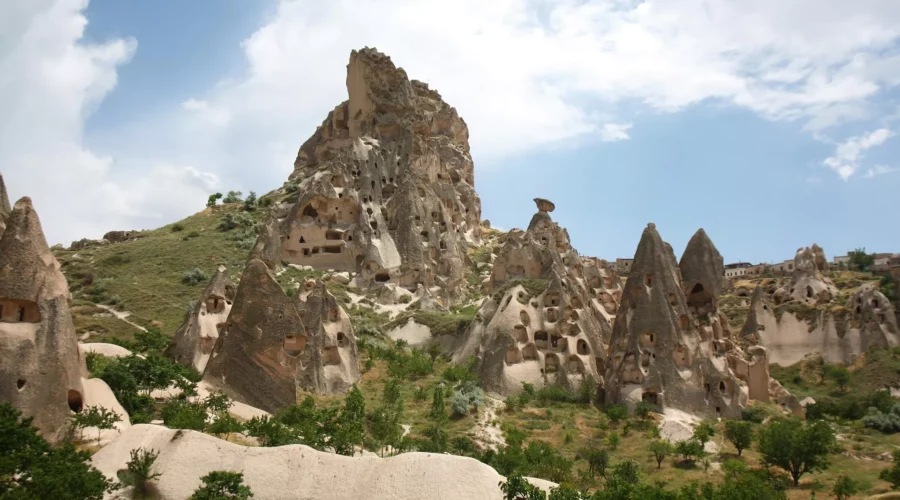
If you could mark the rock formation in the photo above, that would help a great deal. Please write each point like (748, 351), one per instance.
(273, 345)
(195, 339)
(549, 315)
(839, 332)
(297, 471)
(385, 186)
(5, 207)
(40, 366)
(808, 285)
(669, 342)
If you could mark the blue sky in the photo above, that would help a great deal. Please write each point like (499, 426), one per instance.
(771, 126)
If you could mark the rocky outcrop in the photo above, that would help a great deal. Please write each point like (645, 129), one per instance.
(5, 207)
(669, 342)
(385, 187)
(273, 345)
(40, 365)
(194, 341)
(549, 315)
(839, 332)
(297, 471)
(120, 236)
(808, 284)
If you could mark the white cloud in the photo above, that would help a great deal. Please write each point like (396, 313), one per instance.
(612, 132)
(214, 115)
(849, 153)
(879, 170)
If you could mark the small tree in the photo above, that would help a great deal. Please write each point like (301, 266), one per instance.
(438, 411)
(844, 487)
(739, 433)
(213, 198)
(137, 474)
(95, 416)
(232, 197)
(221, 485)
(840, 374)
(861, 260)
(616, 413)
(517, 487)
(225, 425)
(892, 475)
(250, 202)
(798, 448)
(704, 432)
(690, 450)
(660, 450)
(613, 440)
(351, 423)
(642, 410)
(150, 340)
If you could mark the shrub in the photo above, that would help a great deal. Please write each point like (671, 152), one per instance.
(753, 414)
(176, 228)
(95, 416)
(892, 475)
(660, 449)
(887, 423)
(183, 414)
(211, 201)
(844, 487)
(616, 413)
(231, 221)
(192, 234)
(137, 474)
(642, 409)
(194, 277)
(468, 395)
(250, 202)
(232, 197)
(690, 450)
(221, 485)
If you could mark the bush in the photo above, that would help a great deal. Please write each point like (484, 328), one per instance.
(220, 485)
(192, 234)
(250, 202)
(232, 197)
(231, 221)
(616, 413)
(690, 450)
(95, 416)
(892, 475)
(888, 423)
(137, 474)
(194, 277)
(176, 228)
(183, 414)
(754, 414)
(468, 395)
(211, 201)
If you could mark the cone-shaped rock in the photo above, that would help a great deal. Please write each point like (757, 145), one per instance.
(702, 268)
(550, 313)
(40, 366)
(808, 284)
(659, 351)
(385, 186)
(195, 339)
(5, 208)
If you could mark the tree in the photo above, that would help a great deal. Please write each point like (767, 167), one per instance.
(222, 485)
(861, 260)
(224, 424)
(616, 413)
(250, 202)
(232, 197)
(597, 460)
(438, 412)
(844, 487)
(739, 433)
(271, 432)
(690, 450)
(704, 432)
(30, 468)
(564, 492)
(798, 448)
(613, 440)
(892, 475)
(351, 424)
(643, 409)
(150, 340)
(137, 472)
(517, 487)
(95, 416)
(434, 351)
(211, 202)
(660, 450)
(840, 374)
(184, 414)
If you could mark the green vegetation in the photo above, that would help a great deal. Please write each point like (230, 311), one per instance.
(796, 447)
(440, 323)
(95, 416)
(532, 286)
(222, 485)
(861, 260)
(138, 473)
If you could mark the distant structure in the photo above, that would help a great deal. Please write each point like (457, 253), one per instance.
(623, 266)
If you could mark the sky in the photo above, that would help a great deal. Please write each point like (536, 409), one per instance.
(770, 124)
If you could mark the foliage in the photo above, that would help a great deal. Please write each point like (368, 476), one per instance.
(613, 440)
(250, 202)
(137, 473)
(887, 423)
(224, 424)
(616, 413)
(464, 372)
(351, 428)
(30, 468)
(184, 414)
(232, 197)
(596, 458)
(892, 475)
(194, 277)
(222, 485)
(132, 378)
(438, 411)
(739, 433)
(306, 424)
(270, 432)
(861, 260)
(233, 221)
(95, 416)
(798, 448)
(844, 487)
(517, 487)
(840, 374)
(643, 409)
(661, 449)
(532, 287)
(176, 228)
(690, 450)
(704, 432)
(755, 414)
(213, 198)
(151, 340)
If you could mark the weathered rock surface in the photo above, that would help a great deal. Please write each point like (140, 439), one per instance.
(197, 336)
(5, 207)
(385, 187)
(550, 313)
(40, 365)
(300, 472)
(273, 345)
(808, 284)
(669, 342)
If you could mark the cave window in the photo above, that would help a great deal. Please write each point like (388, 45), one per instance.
(858, 310)
(706, 386)
(650, 397)
(373, 224)
(554, 341)
(306, 252)
(540, 339)
(443, 245)
(315, 250)
(648, 280)
(373, 184)
(20, 384)
(809, 292)
(529, 352)
(582, 347)
(331, 356)
(874, 303)
(20, 316)
(294, 344)
(333, 235)
(309, 211)
(722, 386)
(75, 402)
(302, 240)
(382, 277)
(424, 234)
(342, 340)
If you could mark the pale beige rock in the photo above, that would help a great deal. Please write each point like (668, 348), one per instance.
(40, 364)
(195, 339)
(98, 394)
(299, 472)
(108, 350)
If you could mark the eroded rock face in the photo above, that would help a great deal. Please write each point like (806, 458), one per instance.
(5, 207)
(385, 186)
(40, 365)
(194, 341)
(273, 345)
(550, 313)
(669, 341)
(873, 314)
(808, 285)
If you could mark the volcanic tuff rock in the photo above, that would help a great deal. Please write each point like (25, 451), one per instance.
(40, 365)
(273, 345)
(385, 186)
(550, 313)
(669, 342)
(196, 337)
(5, 208)
(808, 285)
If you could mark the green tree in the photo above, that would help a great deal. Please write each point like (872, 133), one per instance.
(616, 413)
(224, 425)
(438, 411)
(861, 260)
(184, 414)
(151, 340)
(222, 485)
(137, 473)
(613, 440)
(95, 416)
(798, 448)
(740, 434)
(232, 197)
(660, 450)
(271, 432)
(704, 432)
(517, 487)
(690, 450)
(351, 424)
(844, 487)
(213, 198)
(250, 202)
(643, 409)
(597, 460)
(840, 375)
(892, 475)
(565, 492)
(31, 469)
